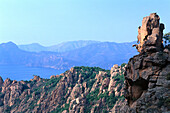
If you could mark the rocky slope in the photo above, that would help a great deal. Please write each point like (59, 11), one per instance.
(141, 86)
(78, 90)
(147, 77)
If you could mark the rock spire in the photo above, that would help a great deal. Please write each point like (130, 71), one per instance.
(150, 34)
(147, 74)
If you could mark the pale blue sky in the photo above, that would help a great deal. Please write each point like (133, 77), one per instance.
(49, 22)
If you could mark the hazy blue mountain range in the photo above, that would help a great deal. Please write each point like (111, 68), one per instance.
(102, 54)
(34, 47)
(10, 54)
(62, 47)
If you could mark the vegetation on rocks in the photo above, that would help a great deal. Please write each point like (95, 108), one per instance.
(80, 89)
(167, 37)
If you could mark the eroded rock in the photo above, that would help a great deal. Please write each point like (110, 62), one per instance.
(150, 34)
(146, 83)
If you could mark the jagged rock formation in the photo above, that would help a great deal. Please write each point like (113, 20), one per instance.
(147, 80)
(78, 90)
(95, 90)
(150, 34)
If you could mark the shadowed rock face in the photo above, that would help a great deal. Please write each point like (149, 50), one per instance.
(150, 34)
(1, 80)
(146, 83)
(135, 89)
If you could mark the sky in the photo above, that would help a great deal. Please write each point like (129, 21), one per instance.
(50, 22)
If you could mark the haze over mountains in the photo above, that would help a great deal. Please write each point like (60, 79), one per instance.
(67, 54)
(62, 47)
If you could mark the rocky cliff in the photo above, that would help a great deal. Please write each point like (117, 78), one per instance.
(147, 82)
(141, 86)
(78, 90)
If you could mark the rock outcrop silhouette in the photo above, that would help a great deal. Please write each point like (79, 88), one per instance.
(146, 78)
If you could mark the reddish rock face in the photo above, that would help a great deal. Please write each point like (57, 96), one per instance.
(150, 34)
(69, 90)
(146, 73)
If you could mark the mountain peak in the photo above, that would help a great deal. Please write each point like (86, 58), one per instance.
(34, 44)
(9, 45)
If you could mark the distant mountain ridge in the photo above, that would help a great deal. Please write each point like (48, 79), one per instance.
(101, 54)
(34, 47)
(61, 47)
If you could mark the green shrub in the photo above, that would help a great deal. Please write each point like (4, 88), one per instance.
(119, 79)
(59, 109)
(90, 83)
(122, 65)
(168, 76)
(92, 96)
(8, 109)
(51, 83)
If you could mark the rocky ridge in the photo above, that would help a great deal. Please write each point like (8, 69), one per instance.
(141, 86)
(78, 90)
